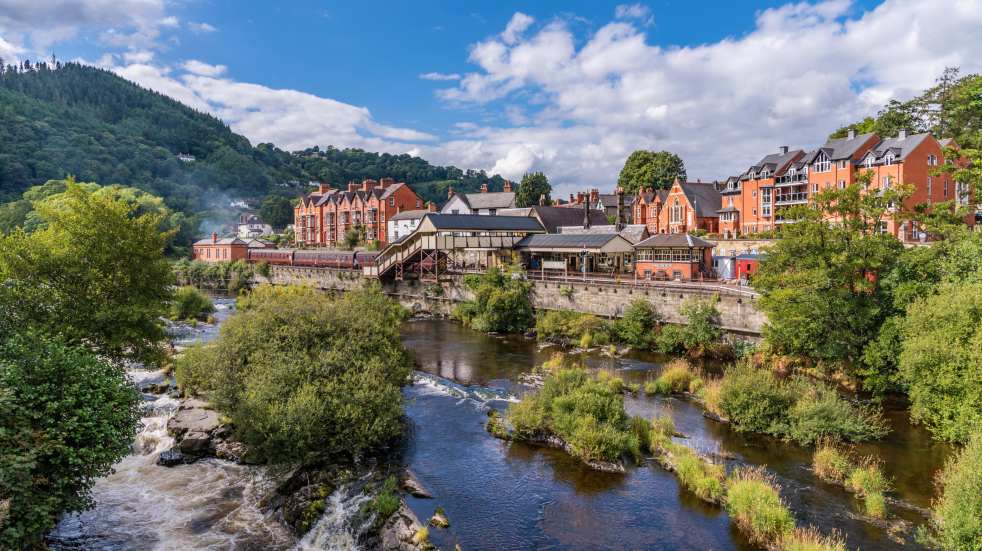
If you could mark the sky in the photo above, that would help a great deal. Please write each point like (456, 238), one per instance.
(568, 88)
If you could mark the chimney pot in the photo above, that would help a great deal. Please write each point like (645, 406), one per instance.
(431, 206)
(902, 134)
(449, 192)
(484, 188)
(507, 187)
(852, 133)
(214, 237)
(783, 149)
(323, 188)
(586, 214)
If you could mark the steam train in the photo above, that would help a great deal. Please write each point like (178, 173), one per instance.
(351, 260)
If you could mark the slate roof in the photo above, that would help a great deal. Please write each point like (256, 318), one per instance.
(554, 217)
(704, 197)
(475, 222)
(222, 241)
(610, 199)
(729, 209)
(490, 200)
(901, 147)
(843, 148)
(409, 214)
(674, 240)
(774, 162)
(567, 241)
(632, 232)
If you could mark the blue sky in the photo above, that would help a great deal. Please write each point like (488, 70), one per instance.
(568, 88)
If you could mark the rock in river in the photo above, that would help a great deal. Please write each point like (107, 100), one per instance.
(170, 458)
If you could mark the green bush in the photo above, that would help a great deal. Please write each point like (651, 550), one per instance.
(957, 514)
(797, 409)
(501, 303)
(831, 464)
(698, 336)
(386, 502)
(304, 376)
(754, 504)
(585, 413)
(189, 303)
(636, 326)
(869, 482)
(65, 418)
(675, 378)
(698, 475)
(641, 428)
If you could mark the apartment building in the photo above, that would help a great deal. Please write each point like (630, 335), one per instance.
(322, 218)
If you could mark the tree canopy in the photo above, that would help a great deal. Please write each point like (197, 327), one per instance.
(533, 186)
(656, 169)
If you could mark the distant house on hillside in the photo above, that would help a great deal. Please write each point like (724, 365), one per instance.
(486, 202)
(185, 157)
(251, 226)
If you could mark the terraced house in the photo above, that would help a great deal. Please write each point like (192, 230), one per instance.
(756, 201)
(322, 218)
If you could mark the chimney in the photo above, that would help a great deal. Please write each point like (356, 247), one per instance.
(594, 195)
(214, 237)
(323, 188)
(386, 182)
(580, 196)
(368, 185)
(484, 187)
(902, 135)
(431, 206)
(542, 200)
(586, 213)
(449, 192)
(783, 149)
(572, 198)
(507, 188)
(352, 186)
(852, 134)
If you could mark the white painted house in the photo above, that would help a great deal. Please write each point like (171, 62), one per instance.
(485, 203)
(251, 226)
(404, 223)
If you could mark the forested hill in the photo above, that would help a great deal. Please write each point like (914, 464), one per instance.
(85, 121)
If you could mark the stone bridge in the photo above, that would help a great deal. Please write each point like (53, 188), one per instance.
(737, 306)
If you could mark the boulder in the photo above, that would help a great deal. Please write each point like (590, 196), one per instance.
(195, 442)
(398, 532)
(414, 487)
(170, 458)
(439, 519)
(193, 416)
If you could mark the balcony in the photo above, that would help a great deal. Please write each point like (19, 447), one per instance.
(791, 180)
(791, 199)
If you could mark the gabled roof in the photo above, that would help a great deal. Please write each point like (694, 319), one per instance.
(674, 240)
(845, 148)
(576, 242)
(610, 199)
(634, 233)
(490, 200)
(703, 196)
(554, 217)
(900, 147)
(476, 222)
(775, 162)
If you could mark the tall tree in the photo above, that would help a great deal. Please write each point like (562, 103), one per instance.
(533, 186)
(277, 211)
(95, 274)
(657, 169)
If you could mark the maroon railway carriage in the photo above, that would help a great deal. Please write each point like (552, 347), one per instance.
(347, 260)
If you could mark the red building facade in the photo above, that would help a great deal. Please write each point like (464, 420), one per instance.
(685, 207)
(322, 218)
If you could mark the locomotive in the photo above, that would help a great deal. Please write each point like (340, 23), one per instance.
(347, 260)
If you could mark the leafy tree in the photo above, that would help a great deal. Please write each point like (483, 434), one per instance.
(941, 361)
(95, 273)
(820, 281)
(65, 417)
(533, 186)
(501, 303)
(657, 169)
(304, 376)
(957, 515)
(277, 211)
(636, 326)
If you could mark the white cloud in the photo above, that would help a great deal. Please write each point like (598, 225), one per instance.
(439, 76)
(204, 69)
(634, 11)
(516, 26)
(288, 118)
(124, 23)
(201, 27)
(170, 21)
(804, 70)
(140, 56)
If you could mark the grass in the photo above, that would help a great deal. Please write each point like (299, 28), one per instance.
(675, 378)
(831, 464)
(709, 394)
(755, 505)
(809, 539)
(957, 514)
(869, 483)
(699, 475)
(641, 429)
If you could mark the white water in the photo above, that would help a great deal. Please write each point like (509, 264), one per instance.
(333, 531)
(211, 504)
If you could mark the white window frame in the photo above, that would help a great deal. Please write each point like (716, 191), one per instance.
(822, 163)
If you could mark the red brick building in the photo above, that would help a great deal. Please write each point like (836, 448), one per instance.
(676, 256)
(213, 249)
(322, 218)
(685, 207)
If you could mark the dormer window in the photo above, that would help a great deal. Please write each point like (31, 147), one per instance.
(822, 163)
(868, 162)
(888, 160)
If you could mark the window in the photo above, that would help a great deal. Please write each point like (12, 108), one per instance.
(885, 182)
(868, 162)
(961, 193)
(842, 184)
(822, 163)
(932, 160)
(755, 214)
(843, 164)
(676, 212)
(419, 204)
(765, 201)
(455, 211)
(888, 160)
(946, 189)
(753, 193)
(814, 188)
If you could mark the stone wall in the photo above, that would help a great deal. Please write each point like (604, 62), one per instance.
(729, 247)
(738, 308)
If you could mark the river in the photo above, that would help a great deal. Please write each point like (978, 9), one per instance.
(497, 495)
